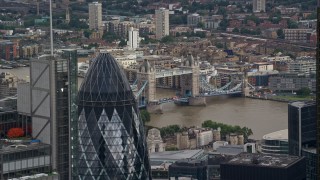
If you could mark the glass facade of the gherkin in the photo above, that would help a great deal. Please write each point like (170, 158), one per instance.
(112, 143)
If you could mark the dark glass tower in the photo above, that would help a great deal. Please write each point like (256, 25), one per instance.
(112, 143)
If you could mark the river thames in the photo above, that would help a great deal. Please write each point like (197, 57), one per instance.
(261, 116)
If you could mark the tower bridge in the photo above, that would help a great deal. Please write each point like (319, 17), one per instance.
(193, 86)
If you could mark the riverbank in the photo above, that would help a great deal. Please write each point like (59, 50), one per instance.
(286, 99)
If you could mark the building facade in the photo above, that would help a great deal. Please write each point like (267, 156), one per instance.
(259, 5)
(133, 38)
(296, 35)
(53, 83)
(301, 126)
(194, 19)
(264, 167)
(95, 16)
(275, 143)
(291, 82)
(111, 137)
(302, 134)
(162, 23)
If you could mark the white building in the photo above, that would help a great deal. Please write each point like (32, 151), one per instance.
(162, 23)
(133, 38)
(194, 19)
(259, 5)
(95, 16)
(306, 66)
(204, 137)
(126, 60)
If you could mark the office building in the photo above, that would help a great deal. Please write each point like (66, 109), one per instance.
(275, 142)
(133, 38)
(53, 84)
(302, 134)
(194, 19)
(264, 167)
(112, 143)
(305, 66)
(297, 35)
(193, 169)
(301, 126)
(162, 23)
(21, 159)
(95, 16)
(8, 50)
(291, 82)
(259, 5)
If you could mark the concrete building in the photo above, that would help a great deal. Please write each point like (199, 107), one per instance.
(191, 169)
(275, 142)
(53, 83)
(259, 6)
(133, 38)
(302, 134)
(95, 16)
(20, 159)
(8, 50)
(194, 19)
(306, 66)
(291, 82)
(162, 23)
(154, 141)
(296, 35)
(264, 167)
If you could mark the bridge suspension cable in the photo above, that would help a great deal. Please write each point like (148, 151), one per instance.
(141, 89)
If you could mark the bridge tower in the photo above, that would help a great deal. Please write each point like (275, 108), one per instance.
(147, 73)
(190, 82)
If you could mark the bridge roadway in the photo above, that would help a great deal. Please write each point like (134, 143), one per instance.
(172, 72)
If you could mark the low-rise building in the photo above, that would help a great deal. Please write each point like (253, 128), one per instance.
(275, 143)
(24, 158)
(291, 82)
(264, 167)
(194, 19)
(296, 35)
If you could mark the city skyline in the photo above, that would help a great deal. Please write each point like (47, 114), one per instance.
(168, 90)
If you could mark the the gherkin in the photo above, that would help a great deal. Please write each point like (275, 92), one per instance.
(112, 142)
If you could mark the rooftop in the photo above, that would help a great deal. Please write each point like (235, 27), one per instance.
(230, 149)
(300, 104)
(280, 161)
(176, 155)
(11, 147)
(278, 135)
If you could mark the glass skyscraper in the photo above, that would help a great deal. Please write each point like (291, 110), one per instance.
(111, 137)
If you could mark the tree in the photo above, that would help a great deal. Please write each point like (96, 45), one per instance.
(15, 133)
(292, 24)
(235, 30)
(280, 33)
(145, 116)
(87, 33)
(167, 39)
(122, 43)
(200, 25)
(303, 92)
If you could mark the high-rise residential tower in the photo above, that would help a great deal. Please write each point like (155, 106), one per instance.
(95, 16)
(112, 143)
(259, 6)
(162, 23)
(53, 90)
(133, 38)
